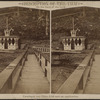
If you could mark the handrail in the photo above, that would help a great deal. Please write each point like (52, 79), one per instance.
(44, 61)
(8, 74)
(47, 58)
(78, 78)
(42, 49)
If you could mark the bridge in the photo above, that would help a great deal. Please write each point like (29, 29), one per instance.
(86, 77)
(28, 73)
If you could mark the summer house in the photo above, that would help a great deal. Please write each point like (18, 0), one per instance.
(9, 42)
(73, 42)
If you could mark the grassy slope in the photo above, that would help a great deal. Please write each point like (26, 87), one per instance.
(7, 58)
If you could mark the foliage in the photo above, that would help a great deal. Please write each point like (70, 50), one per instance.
(89, 25)
(28, 24)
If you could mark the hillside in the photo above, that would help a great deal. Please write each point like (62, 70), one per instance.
(87, 20)
(28, 23)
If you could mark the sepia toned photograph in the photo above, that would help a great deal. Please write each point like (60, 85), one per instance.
(49, 50)
(75, 60)
(24, 51)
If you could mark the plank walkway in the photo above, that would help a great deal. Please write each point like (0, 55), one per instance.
(93, 84)
(32, 79)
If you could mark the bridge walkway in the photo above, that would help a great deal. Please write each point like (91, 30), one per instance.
(93, 84)
(32, 79)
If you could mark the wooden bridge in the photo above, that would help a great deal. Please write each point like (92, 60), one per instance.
(28, 73)
(42, 49)
(85, 78)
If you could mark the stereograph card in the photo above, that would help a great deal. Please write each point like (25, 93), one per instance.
(49, 50)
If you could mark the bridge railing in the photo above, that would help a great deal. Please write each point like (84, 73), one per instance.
(44, 62)
(42, 49)
(77, 80)
(10, 75)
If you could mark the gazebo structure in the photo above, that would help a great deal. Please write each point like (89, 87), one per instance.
(73, 42)
(8, 42)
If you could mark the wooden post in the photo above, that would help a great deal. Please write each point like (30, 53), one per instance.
(81, 83)
(89, 71)
(26, 56)
(45, 73)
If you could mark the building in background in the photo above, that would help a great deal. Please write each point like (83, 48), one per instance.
(73, 42)
(8, 41)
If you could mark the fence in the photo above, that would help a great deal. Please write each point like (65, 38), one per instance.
(77, 80)
(44, 62)
(42, 49)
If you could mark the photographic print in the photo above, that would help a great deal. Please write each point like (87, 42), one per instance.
(75, 51)
(49, 50)
(24, 50)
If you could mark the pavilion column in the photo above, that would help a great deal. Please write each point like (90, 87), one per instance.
(80, 44)
(17, 42)
(14, 43)
(11, 45)
(0, 44)
(77, 43)
(66, 44)
(69, 46)
(63, 42)
(8, 42)
(74, 42)
(3, 45)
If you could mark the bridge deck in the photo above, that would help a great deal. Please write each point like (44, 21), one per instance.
(32, 79)
(93, 84)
